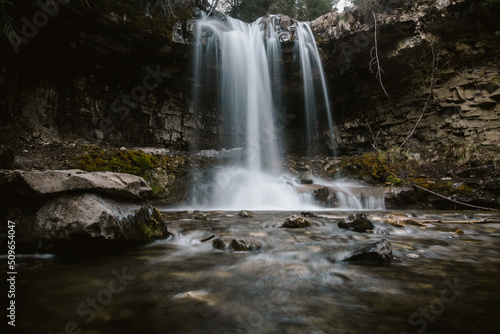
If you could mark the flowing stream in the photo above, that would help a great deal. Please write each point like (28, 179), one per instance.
(296, 282)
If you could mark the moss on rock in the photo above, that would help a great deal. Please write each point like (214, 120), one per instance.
(160, 171)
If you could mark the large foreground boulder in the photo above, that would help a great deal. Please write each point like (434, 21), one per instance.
(51, 182)
(71, 211)
(65, 221)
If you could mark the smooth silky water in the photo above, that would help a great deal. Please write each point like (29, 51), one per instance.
(296, 282)
(244, 62)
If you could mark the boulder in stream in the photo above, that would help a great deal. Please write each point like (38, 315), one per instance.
(243, 246)
(219, 244)
(357, 222)
(295, 221)
(235, 245)
(378, 253)
(244, 214)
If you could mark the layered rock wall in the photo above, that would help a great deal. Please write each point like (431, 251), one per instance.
(120, 77)
(457, 38)
(103, 76)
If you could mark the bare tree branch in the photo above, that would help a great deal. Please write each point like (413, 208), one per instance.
(214, 6)
(435, 61)
(454, 200)
(375, 59)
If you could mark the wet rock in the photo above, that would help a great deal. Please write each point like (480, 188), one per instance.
(245, 214)
(295, 222)
(308, 214)
(52, 182)
(77, 220)
(357, 222)
(399, 221)
(305, 181)
(219, 244)
(459, 232)
(235, 245)
(242, 246)
(378, 253)
(325, 196)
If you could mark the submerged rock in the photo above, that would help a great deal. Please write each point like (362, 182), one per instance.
(219, 244)
(235, 245)
(295, 222)
(243, 246)
(377, 254)
(357, 222)
(399, 221)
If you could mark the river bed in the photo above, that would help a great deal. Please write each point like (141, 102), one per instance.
(439, 281)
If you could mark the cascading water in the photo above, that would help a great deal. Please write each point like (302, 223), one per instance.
(313, 78)
(244, 62)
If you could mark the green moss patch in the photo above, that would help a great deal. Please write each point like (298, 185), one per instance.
(160, 171)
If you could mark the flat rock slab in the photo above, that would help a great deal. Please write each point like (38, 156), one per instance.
(51, 182)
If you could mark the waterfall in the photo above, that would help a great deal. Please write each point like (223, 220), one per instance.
(313, 79)
(238, 67)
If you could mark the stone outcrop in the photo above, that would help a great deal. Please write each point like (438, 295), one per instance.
(463, 106)
(121, 79)
(104, 76)
(93, 217)
(74, 212)
(53, 182)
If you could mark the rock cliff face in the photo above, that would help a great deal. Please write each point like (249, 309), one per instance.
(115, 75)
(456, 38)
(109, 75)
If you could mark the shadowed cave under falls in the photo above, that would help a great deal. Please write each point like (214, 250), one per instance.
(238, 68)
